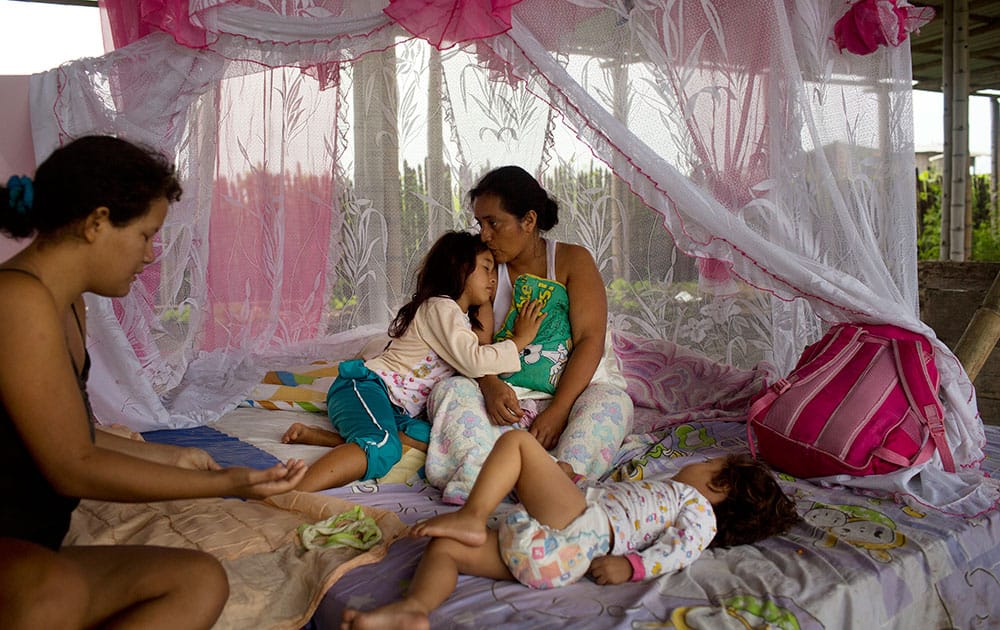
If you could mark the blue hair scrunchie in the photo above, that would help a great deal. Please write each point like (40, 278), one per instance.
(20, 193)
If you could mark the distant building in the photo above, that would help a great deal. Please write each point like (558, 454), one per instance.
(929, 158)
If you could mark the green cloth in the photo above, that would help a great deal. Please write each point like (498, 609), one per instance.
(352, 528)
(542, 361)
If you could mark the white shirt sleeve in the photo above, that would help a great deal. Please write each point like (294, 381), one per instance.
(678, 545)
(443, 326)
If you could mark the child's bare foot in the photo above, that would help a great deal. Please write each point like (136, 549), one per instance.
(300, 433)
(404, 615)
(460, 525)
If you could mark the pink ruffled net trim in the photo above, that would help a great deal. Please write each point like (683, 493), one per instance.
(445, 23)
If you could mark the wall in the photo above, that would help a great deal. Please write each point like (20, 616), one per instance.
(17, 155)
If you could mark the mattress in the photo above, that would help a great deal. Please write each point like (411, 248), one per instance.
(855, 560)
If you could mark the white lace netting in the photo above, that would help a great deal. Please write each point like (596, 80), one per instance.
(321, 148)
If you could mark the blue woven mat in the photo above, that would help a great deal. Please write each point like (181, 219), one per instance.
(225, 449)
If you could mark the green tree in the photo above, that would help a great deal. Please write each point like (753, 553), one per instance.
(985, 241)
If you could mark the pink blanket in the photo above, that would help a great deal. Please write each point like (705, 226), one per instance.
(684, 386)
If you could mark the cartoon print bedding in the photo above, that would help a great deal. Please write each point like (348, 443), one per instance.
(855, 561)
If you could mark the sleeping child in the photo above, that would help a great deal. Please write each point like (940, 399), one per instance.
(617, 532)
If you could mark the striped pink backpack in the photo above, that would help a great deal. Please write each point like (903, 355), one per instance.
(861, 401)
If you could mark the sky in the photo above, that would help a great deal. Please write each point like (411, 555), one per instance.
(74, 32)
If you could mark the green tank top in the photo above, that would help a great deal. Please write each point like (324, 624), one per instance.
(543, 360)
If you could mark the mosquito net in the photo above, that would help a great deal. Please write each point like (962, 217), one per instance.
(740, 181)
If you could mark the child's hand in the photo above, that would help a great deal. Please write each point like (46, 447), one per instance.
(610, 570)
(529, 320)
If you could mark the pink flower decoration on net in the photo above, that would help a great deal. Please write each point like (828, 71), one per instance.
(869, 24)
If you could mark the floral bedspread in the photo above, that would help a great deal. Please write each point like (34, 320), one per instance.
(855, 561)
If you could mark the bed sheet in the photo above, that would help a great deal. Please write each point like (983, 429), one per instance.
(855, 561)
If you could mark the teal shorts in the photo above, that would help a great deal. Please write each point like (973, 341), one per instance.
(361, 411)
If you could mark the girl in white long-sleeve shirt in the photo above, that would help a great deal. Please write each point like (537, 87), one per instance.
(433, 336)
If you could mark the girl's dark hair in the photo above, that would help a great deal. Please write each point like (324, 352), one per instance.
(88, 173)
(755, 507)
(442, 272)
(518, 193)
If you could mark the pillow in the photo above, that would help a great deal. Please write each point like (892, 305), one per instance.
(301, 388)
(542, 360)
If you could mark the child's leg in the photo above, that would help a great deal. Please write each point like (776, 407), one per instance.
(342, 465)
(360, 411)
(549, 496)
(299, 433)
(433, 583)
(518, 462)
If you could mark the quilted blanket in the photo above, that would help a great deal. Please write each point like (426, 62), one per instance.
(273, 582)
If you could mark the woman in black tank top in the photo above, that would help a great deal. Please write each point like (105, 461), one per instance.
(93, 209)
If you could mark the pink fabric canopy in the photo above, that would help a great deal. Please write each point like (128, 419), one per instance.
(444, 23)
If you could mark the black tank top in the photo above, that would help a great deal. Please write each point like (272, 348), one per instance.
(32, 509)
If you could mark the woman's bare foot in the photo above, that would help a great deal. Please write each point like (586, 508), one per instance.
(459, 525)
(402, 614)
(300, 433)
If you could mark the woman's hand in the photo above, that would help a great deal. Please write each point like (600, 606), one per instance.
(194, 459)
(251, 483)
(610, 570)
(548, 427)
(501, 403)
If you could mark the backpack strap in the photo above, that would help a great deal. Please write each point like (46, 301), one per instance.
(911, 363)
(760, 407)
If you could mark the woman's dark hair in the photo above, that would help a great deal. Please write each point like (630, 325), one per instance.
(443, 273)
(518, 193)
(88, 173)
(755, 507)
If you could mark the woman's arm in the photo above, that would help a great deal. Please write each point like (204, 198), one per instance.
(40, 393)
(588, 316)
(183, 457)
